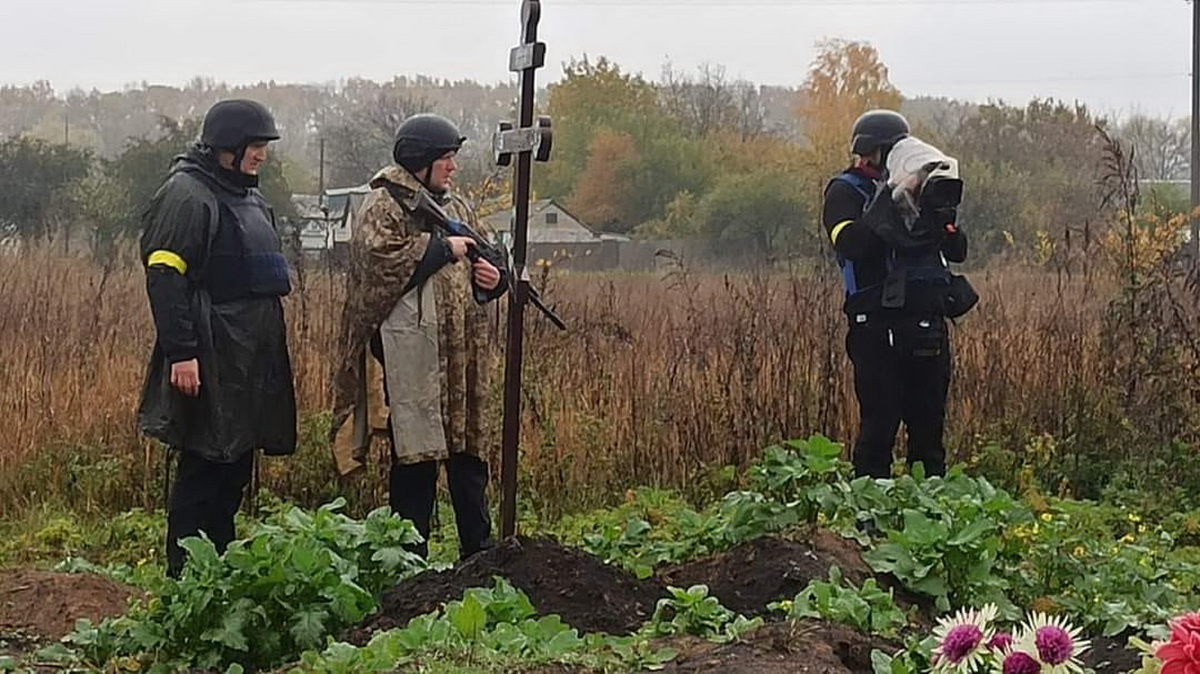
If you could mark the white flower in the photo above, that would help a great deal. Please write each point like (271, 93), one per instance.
(1054, 642)
(962, 639)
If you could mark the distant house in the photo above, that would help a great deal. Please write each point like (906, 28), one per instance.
(549, 222)
(326, 224)
(312, 223)
(343, 204)
(556, 236)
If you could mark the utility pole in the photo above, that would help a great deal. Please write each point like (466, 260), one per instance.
(326, 227)
(1195, 132)
(321, 177)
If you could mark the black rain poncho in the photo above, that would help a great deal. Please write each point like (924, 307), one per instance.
(215, 275)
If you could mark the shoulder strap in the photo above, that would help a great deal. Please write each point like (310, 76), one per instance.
(394, 191)
(861, 184)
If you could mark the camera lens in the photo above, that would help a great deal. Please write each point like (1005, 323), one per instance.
(941, 193)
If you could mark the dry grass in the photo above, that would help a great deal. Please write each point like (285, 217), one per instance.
(661, 380)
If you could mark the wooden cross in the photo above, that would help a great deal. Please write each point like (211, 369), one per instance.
(528, 141)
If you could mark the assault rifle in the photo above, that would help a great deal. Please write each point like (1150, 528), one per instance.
(424, 204)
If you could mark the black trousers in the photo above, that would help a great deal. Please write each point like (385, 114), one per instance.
(412, 490)
(412, 494)
(205, 497)
(902, 368)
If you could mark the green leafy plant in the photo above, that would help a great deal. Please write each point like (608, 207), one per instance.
(496, 627)
(788, 486)
(1150, 663)
(942, 537)
(1107, 569)
(294, 581)
(869, 608)
(915, 658)
(694, 612)
(786, 471)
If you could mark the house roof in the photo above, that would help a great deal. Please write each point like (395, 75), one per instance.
(572, 230)
(308, 206)
(546, 203)
(342, 191)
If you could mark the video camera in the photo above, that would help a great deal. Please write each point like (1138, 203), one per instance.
(941, 193)
(941, 190)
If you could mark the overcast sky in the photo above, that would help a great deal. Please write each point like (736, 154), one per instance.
(1116, 55)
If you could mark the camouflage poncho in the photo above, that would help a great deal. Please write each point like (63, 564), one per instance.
(440, 360)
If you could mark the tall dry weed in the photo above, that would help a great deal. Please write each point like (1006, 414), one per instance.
(662, 379)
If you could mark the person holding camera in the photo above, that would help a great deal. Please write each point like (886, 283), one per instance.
(891, 218)
(415, 302)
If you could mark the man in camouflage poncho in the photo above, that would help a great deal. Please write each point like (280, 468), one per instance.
(416, 303)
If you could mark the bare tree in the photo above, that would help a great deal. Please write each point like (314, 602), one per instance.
(1161, 147)
(751, 119)
(937, 120)
(359, 130)
(710, 102)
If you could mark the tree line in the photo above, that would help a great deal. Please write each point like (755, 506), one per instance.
(687, 155)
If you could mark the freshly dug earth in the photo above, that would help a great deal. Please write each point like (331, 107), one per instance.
(784, 648)
(764, 570)
(1110, 654)
(48, 604)
(586, 593)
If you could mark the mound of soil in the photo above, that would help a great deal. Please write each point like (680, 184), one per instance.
(764, 570)
(784, 648)
(1111, 654)
(48, 604)
(586, 593)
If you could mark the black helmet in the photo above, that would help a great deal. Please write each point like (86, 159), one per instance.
(234, 124)
(422, 139)
(877, 128)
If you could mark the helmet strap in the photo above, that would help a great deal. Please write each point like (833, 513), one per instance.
(238, 155)
(424, 175)
(234, 174)
(420, 174)
(883, 157)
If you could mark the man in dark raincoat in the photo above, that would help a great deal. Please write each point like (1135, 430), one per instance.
(219, 383)
(416, 304)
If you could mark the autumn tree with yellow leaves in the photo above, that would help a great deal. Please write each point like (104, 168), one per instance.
(845, 80)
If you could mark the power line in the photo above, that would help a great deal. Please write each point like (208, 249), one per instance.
(1050, 79)
(728, 4)
(1195, 131)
